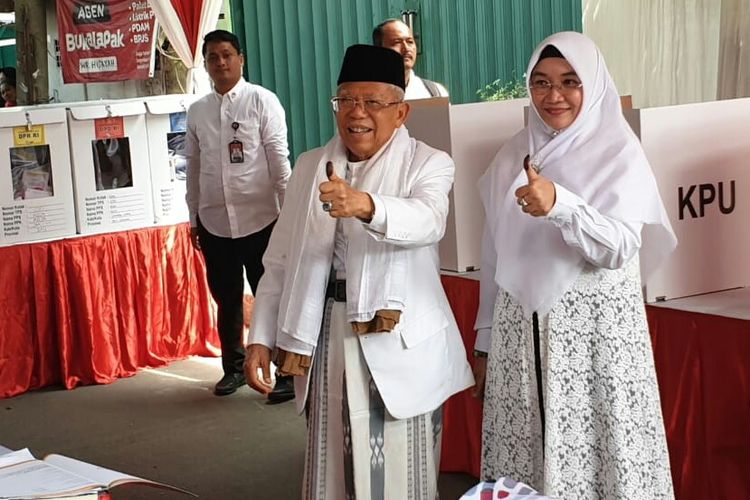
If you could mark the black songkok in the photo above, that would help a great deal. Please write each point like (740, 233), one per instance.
(368, 63)
(550, 51)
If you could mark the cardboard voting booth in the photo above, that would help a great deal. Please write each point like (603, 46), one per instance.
(472, 134)
(700, 154)
(111, 174)
(165, 120)
(36, 192)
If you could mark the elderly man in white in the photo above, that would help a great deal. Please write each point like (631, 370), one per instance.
(351, 301)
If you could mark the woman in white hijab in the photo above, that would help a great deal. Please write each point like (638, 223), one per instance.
(564, 360)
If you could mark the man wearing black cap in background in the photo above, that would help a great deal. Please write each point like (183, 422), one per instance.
(351, 301)
(396, 35)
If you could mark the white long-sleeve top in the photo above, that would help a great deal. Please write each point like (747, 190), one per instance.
(416, 89)
(236, 199)
(603, 241)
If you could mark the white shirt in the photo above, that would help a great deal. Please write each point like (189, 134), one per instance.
(236, 199)
(416, 89)
(602, 240)
(376, 224)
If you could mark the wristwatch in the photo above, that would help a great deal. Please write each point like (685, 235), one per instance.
(479, 354)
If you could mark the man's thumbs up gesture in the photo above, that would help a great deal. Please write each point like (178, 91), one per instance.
(538, 196)
(341, 200)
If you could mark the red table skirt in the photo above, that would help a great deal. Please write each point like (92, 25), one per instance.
(703, 368)
(462, 413)
(92, 309)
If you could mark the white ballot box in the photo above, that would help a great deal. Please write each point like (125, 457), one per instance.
(700, 154)
(36, 191)
(165, 121)
(111, 174)
(472, 134)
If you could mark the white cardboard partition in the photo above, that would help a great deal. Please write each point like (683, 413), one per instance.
(472, 134)
(165, 122)
(700, 154)
(36, 192)
(111, 174)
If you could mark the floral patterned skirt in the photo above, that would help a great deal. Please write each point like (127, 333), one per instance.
(603, 430)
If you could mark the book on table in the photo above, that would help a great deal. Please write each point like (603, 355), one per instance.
(22, 476)
(96, 495)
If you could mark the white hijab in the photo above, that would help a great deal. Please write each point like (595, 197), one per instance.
(598, 158)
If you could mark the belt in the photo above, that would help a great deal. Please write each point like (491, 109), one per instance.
(336, 290)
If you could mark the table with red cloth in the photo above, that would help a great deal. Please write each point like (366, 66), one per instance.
(91, 309)
(703, 369)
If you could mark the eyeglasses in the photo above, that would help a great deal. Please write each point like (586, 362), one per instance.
(567, 86)
(349, 103)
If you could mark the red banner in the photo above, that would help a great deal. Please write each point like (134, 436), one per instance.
(105, 40)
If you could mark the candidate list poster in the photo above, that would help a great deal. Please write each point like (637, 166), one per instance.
(105, 40)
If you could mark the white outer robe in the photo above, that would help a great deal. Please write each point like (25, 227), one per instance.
(423, 361)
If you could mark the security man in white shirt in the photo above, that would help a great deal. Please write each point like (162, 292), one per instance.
(237, 172)
(396, 35)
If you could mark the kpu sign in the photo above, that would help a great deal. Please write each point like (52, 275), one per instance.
(694, 199)
(105, 40)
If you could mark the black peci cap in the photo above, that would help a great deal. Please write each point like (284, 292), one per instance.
(367, 63)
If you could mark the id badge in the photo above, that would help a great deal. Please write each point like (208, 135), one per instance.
(236, 152)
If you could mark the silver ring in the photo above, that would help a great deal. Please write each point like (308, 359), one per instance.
(522, 202)
(327, 206)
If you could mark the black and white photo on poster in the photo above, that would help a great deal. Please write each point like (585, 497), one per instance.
(176, 152)
(112, 165)
(176, 146)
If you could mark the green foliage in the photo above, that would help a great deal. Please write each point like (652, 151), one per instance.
(499, 90)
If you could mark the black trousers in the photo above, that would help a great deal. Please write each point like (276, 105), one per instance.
(226, 258)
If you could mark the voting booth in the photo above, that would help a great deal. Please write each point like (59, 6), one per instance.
(165, 121)
(36, 192)
(472, 134)
(700, 154)
(111, 174)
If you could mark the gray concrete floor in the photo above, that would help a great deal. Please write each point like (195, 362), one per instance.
(167, 425)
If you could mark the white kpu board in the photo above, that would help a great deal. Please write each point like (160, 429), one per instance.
(700, 154)
(472, 134)
(165, 122)
(36, 191)
(111, 171)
